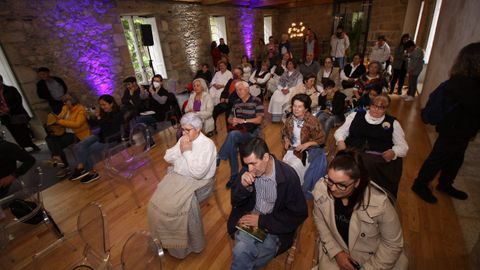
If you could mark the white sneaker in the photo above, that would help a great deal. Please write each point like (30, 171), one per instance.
(409, 98)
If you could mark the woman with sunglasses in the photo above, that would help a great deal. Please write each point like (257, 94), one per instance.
(381, 140)
(357, 224)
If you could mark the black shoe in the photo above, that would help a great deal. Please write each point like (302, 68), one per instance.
(90, 178)
(63, 172)
(78, 174)
(424, 192)
(453, 192)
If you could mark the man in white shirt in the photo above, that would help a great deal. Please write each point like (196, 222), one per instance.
(380, 52)
(339, 44)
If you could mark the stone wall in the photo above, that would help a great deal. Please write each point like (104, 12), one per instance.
(83, 41)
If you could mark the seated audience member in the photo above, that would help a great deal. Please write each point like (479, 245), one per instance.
(332, 106)
(10, 154)
(289, 79)
(161, 101)
(369, 80)
(244, 122)
(134, 102)
(456, 129)
(204, 73)
(228, 96)
(177, 221)
(380, 52)
(351, 72)
(246, 68)
(14, 116)
(227, 61)
(381, 140)
(364, 102)
(277, 71)
(327, 71)
(258, 80)
(358, 226)
(302, 136)
(110, 120)
(260, 53)
(308, 87)
(269, 198)
(309, 66)
(219, 81)
(200, 102)
(73, 118)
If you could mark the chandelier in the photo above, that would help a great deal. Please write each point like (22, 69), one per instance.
(295, 30)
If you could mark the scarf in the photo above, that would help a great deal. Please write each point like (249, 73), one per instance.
(289, 80)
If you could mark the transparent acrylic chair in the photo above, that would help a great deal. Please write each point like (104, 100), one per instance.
(127, 160)
(27, 190)
(142, 252)
(91, 233)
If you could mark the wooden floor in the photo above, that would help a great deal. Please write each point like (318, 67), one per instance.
(432, 234)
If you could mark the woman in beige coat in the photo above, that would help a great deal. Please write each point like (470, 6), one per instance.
(200, 102)
(358, 226)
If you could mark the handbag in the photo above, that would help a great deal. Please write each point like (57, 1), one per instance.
(21, 208)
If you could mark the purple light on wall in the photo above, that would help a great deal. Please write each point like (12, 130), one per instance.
(247, 19)
(87, 41)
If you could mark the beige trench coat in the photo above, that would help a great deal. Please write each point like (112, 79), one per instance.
(375, 234)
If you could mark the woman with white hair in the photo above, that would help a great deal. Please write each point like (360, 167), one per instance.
(200, 102)
(176, 221)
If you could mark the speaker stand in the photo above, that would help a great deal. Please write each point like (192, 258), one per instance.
(151, 61)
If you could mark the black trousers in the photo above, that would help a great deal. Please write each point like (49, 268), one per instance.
(218, 109)
(446, 157)
(398, 75)
(56, 144)
(385, 174)
(21, 134)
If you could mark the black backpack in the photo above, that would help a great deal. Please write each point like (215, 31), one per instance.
(21, 208)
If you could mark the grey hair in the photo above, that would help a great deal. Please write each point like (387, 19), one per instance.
(202, 83)
(192, 119)
(241, 83)
(72, 97)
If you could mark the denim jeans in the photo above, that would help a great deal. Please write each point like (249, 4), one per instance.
(412, 85)
(249, 253)
(86, 148)
(340, 62)
(229, 149)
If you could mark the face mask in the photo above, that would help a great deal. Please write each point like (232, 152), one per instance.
(157, 85)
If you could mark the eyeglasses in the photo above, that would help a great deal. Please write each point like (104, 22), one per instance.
(187, 130)
(340, 186)
(378, 107)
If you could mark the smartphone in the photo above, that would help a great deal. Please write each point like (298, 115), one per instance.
(355, 264)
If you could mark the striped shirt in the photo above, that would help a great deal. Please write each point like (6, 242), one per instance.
(250, 109)
(266, 189)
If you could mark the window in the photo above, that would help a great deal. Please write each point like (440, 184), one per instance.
(433, 28)
(9, 79)
(267, 28)
(141, 55)
(419, 20)
(218, 28)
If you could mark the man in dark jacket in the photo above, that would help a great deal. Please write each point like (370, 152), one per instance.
(14, 116)
(51, 88)
(268, 197)
(10, 153)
